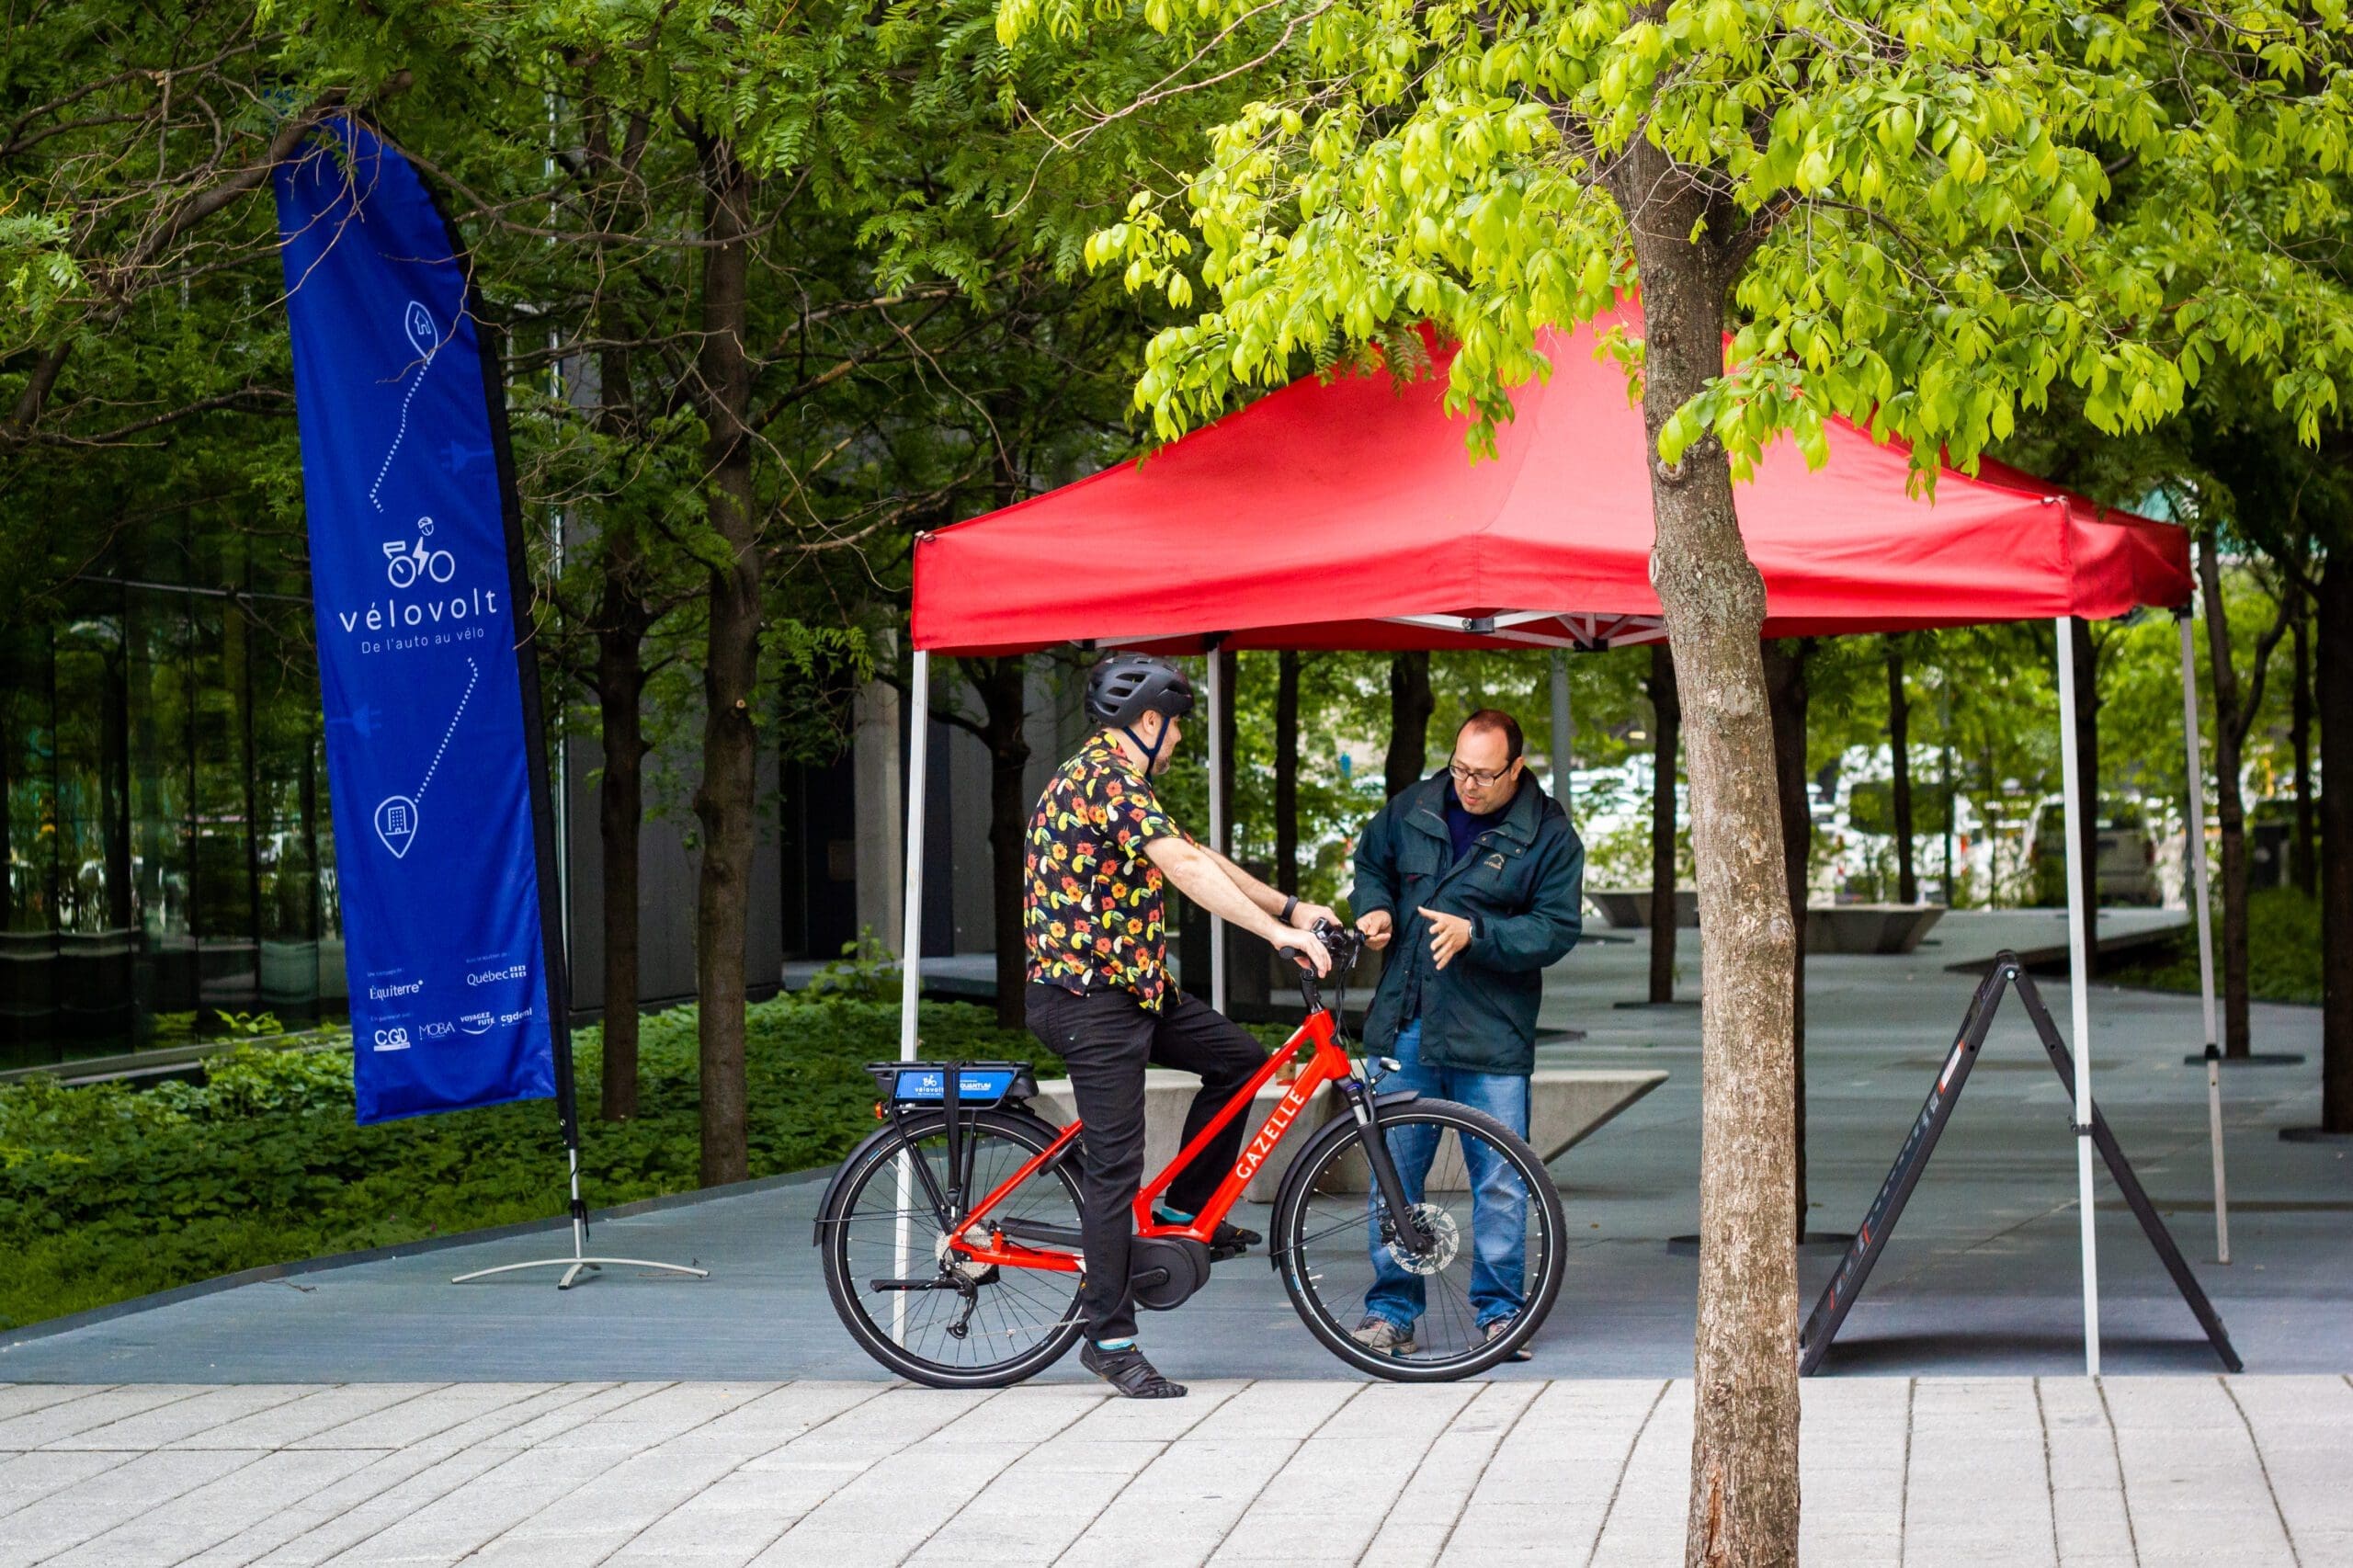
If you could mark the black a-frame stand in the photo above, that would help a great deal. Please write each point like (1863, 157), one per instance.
(1871, 1236)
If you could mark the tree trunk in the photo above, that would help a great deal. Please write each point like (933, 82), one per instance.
(1002, 684)
(1666, 729)
(1744, 1502)
(2085, 654)
(1899, 746)
(2230, 810)
(1287, 771)
(1410, 706)
(622, 620)
(620, 809)
(731, 668)
(1785, 685)
(2303, 863)
(2335, 691)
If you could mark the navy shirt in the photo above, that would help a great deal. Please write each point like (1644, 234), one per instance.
(1463, 827)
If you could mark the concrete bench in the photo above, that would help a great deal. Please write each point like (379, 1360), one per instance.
(1566, 1105)
(1829, 927)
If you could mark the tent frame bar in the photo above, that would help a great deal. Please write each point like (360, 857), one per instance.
(2200, 898)
(2079, 999)
(1218, 697)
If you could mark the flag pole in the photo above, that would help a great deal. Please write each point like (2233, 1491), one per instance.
(552, 893)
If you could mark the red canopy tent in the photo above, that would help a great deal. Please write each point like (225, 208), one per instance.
(1351, 515)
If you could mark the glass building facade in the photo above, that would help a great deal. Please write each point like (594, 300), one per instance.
(170, 863)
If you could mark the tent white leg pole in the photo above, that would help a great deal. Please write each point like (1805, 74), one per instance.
(911, 915)
(2078, 993)
(1217, 818)
(1564, 737)
(910, 943)
(2199, 900)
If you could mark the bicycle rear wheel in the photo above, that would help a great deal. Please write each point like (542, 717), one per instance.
(985, 1327)
(1498, 1258)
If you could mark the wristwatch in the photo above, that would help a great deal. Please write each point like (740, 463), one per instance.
(1289, 905)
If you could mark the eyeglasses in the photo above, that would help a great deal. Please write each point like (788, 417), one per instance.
(1476, 777)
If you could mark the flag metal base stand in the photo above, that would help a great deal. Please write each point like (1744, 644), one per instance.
(579, 1263)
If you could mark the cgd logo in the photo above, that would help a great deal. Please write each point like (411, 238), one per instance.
(392, 1039)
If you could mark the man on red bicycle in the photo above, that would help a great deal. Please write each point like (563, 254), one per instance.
(1099, 996)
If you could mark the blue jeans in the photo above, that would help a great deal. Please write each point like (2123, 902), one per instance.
(1498, 1198)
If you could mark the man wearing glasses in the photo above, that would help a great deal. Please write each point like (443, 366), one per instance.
(1477, 876)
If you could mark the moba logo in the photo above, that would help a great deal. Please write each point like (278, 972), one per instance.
(440, 1029)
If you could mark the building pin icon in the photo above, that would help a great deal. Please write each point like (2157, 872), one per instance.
(396, 824)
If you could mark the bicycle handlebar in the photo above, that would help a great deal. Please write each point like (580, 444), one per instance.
(1344, 946)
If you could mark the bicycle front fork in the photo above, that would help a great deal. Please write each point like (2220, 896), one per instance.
(1403, 1216)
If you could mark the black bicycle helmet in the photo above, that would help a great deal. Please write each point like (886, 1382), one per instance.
(1122, 688)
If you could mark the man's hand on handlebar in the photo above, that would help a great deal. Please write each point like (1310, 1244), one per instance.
(1307, 916)
(1304, 946)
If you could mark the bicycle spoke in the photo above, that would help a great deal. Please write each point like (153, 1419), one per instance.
(1345, 1266)
(1007, 1314)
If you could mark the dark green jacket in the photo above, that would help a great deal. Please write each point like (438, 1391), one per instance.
(1523, 888)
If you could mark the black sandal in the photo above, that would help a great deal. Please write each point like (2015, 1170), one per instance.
(1129, 1375)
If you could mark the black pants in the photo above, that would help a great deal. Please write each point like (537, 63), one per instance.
(1107, 1038)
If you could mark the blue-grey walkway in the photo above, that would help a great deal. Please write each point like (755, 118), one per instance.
(1980, 1277)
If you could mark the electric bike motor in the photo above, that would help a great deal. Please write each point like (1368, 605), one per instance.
(1166, 1271)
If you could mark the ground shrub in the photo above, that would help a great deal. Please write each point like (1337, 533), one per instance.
(2283, 952)
(108, 1192)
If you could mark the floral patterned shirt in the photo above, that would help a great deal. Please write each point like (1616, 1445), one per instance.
(1092, 916)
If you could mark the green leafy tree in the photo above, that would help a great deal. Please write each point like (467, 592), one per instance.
(1899, 206)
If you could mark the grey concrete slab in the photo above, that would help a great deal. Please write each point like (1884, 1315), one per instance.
(2004, 1470)
(1980, 1277)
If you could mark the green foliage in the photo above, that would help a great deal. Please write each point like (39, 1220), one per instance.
(865, 973)
(2283, 952)
(107, 1192)
(1912, 200)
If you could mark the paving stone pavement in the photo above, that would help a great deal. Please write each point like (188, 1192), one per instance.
(2247, 1472)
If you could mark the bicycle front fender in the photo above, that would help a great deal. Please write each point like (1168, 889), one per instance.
(1332, 1132)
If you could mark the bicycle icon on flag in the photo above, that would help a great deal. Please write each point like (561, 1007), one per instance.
(406, 564)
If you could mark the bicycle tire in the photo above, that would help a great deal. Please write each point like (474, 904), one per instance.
(874, 1160)
(1315, 1171)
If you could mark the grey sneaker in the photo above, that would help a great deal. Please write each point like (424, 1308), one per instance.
(1377, 1334)
(1502, 1326)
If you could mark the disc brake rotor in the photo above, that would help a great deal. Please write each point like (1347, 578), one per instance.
(1446, 1242)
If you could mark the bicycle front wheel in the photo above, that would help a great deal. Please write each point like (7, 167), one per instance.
(973, 1325)
(1413, 1312)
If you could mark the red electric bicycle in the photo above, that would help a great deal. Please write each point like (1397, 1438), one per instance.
(951, 1237)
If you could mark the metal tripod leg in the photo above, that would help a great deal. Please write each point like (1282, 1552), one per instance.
(579, 1262)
